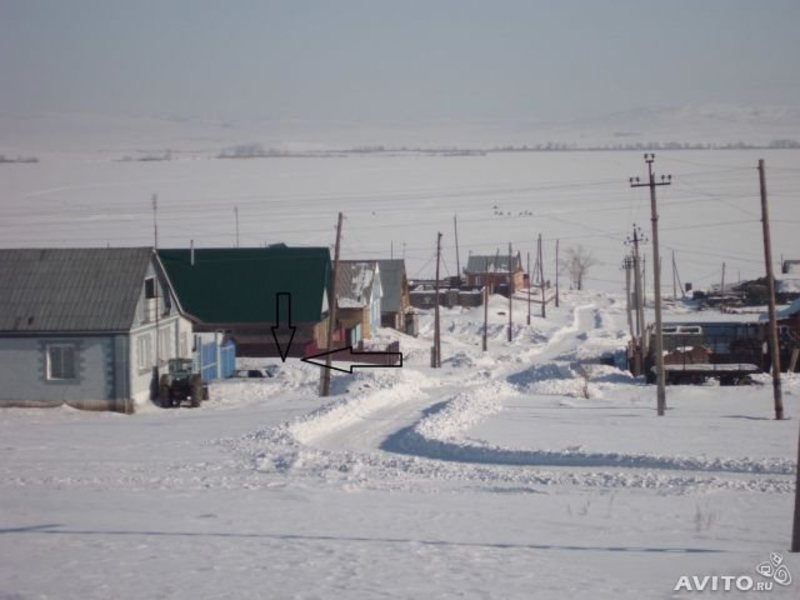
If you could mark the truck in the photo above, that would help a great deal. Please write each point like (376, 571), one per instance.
(730, 351)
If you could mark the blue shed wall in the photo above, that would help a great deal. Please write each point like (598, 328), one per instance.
(207, 358)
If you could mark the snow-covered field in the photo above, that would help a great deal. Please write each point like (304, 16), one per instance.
(397, 204)
(531, 470)
(527, 471)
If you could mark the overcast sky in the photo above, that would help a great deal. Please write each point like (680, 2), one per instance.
(375, 60)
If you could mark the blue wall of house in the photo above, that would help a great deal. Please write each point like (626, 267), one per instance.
(24, 373)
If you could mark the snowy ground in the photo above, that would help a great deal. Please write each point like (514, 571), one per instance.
(527, 471)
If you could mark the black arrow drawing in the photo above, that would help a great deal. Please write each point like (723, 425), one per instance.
(353, 355)
(280, 331)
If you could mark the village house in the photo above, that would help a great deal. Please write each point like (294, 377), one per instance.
(493, 270)
(359, 295)
(237, 291)
(86, 327)
(396, 311)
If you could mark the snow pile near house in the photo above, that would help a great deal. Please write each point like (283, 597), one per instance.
(555, 379)
(448, 421)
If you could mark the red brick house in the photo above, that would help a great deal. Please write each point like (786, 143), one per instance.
(493, 270)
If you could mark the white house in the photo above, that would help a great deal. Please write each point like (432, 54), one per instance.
(87, 327)
(358, 299)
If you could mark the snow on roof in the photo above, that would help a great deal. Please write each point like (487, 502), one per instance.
(354, 281)
(787, 285)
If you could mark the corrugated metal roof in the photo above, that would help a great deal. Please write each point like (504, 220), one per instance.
(70, 289)
(239, 285)
(492, 264)
(393, 274)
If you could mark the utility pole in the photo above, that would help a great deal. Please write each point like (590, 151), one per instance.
(557, 269)
(485, 315)
(510, 293)
(158, 308)
(436, 357)
(627, 264)
(722, 283)
(458, 263)
(325, 376)
(530, 288)
(636, 239)
(773, 323)
(680, 283)
(155, 221)
(644, 284)
(541, 277)
(652, 184)
(236, 217)
(674, 278)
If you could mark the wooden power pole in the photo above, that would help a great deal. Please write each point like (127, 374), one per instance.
(541, 277)
(661, 402)
(158, 308)
(674, 278)
(436, 358)
(773, 323)
(485, 315)
(558, 267)
(510, 293)
(458, 262)
(325, 376)
(636, 264)
(530, 288)
(627, 264)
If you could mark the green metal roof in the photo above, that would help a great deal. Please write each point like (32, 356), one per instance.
(240, 285)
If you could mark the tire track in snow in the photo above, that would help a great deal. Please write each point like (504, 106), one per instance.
(439, 435)
(412, 426)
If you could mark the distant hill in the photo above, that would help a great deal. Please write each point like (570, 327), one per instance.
(137, 137)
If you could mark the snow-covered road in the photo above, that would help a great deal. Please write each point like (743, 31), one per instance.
(526, 471)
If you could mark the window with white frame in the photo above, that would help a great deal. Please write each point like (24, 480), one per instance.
(165, 344)
(184, 345)
(144, 352)
(61, 362)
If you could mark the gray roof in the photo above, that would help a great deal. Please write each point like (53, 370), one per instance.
(62, 290)
(393, 274)
(492, 264)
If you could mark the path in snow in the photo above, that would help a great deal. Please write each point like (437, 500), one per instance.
(366, 423)
(419, 416)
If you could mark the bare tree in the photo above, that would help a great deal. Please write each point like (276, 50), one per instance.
(576, 263)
